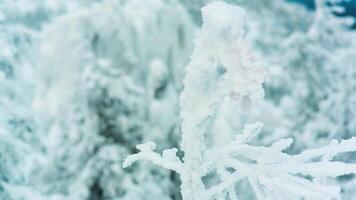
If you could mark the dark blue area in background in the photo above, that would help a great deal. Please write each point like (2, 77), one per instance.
(308, 3)
(350, 6)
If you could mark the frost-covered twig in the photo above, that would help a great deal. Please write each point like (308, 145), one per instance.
(168, 160)
(223, 67)
(274, 174)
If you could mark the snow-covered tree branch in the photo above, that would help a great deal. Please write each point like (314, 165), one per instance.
(223, 67)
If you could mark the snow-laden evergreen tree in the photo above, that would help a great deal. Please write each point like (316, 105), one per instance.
(323, 101)
(92, 80)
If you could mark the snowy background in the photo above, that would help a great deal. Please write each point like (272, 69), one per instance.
(253, 99)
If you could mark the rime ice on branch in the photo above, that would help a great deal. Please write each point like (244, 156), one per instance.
(223, 67)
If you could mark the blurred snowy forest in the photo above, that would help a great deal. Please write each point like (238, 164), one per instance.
(82, 82)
